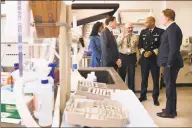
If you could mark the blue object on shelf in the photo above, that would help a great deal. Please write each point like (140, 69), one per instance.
(74, 66)
(52, 65)
(44, 81)
(16, 66)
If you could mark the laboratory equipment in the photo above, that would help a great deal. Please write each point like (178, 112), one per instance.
(39, 69)
(45, 96)
(94, 113)
(93, 90)
(64, 60)
(190, 56)
(91, 77)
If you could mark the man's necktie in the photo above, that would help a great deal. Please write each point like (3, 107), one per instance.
(150, 31)
(128, 39)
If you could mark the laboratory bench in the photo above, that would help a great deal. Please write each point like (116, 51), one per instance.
(109, 76)
(136, 111)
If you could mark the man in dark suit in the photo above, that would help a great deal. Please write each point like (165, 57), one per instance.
(109, 50)
(149, 42)
(170, 58)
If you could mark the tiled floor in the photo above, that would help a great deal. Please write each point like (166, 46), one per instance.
(184, 108)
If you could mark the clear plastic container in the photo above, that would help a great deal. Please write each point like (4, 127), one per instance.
(91, 77)
(45, 112)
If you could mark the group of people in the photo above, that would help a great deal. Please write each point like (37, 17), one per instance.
(154, 48)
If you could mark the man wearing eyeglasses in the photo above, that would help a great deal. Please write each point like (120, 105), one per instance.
(149, 42)
(129, 54)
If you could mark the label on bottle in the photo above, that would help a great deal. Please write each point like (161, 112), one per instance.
(74, 66)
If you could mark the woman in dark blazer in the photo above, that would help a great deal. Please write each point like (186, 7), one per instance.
(95, 44)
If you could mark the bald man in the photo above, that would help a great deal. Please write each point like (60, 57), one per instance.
(129, 54)
(149, 42)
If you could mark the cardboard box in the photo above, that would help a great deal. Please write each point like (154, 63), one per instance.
(46, 12)
(94, 113)
(8, 105)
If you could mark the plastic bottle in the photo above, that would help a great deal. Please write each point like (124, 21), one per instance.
(93, 76)
(16, 66)
(74, 62)
(52, 65)
(51, 82)
(89, 77)
(10, 82)
(51, 78)
(45, 112)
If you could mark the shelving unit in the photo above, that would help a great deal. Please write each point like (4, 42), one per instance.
(3, 15)
(134, 16)
(134, 23)
(135, 10)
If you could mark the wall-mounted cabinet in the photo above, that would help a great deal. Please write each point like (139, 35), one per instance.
(134, 16)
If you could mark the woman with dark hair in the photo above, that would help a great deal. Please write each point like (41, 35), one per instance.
(95, 45)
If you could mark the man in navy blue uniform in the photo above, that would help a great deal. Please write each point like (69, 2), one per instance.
(170, 58)
(149, 42)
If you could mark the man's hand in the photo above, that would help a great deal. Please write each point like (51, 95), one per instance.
(124, 33)
(147, 54)
(137, 63)
(161, 70)
(119, 63)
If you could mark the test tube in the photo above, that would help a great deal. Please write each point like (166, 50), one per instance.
(104, 92)
(97, 91)
(101, 91)
(94, 90)
(96, 85)
(89, 90)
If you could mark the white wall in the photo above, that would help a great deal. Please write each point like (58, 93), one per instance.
(156, 6)
(10, 23)
(183, 10)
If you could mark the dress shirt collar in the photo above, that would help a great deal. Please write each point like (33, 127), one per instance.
(110, 28)
(152, 29)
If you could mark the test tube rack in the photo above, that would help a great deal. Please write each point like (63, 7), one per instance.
(93, 90)
(95, 113)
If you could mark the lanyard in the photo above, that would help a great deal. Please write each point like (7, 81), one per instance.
(128, 40)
